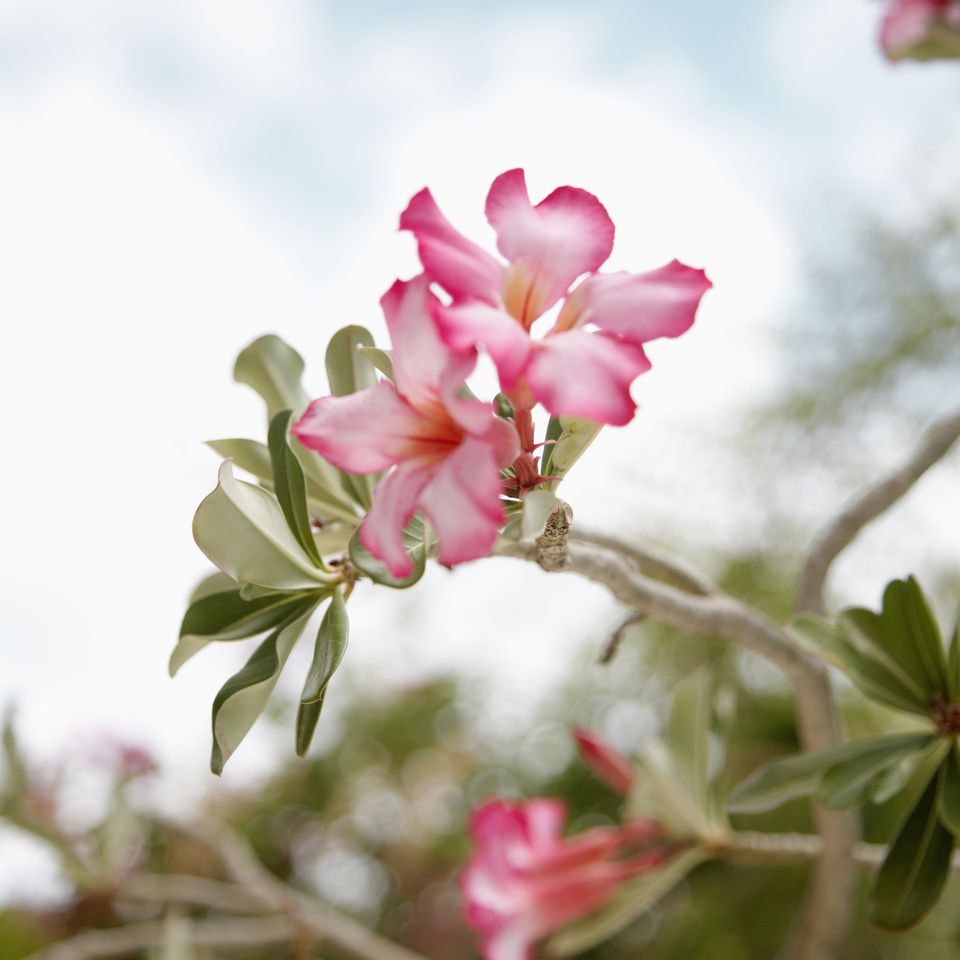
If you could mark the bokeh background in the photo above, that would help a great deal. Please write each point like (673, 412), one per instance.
(180, 177)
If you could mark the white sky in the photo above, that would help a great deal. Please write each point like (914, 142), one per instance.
(179, 178)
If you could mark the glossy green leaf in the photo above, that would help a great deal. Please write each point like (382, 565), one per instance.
(377, 571)
(225, 616)
(850, 782)
(574, 436)
(917, 864)
(244, 696)
(249, 455)
(381, 359)
(869, 668)
(241, 528)
(950, 795)
(953, 663)
(634, 898)
(274, 369)
(289, 486)
(348, 370)
(328, 652)
(788, 778)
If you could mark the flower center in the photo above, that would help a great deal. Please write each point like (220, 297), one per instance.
(946, 717)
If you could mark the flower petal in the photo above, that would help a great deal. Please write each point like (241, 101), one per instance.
(468, 325)
(638, 306)
(607, 763)
(394, 504)
(581, 374)
(461, 267)
(366, 431)
(565, 235)
(462, 501)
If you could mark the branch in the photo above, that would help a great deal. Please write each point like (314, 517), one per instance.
(841, 531)
(651, 563)
(351, 938)
(829, 902)
(136, 937)
(196, 891)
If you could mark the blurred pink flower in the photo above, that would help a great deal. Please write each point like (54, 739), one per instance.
(910, 29)
(572, 370)
(447, 450)
(526, 880)
(611, 766)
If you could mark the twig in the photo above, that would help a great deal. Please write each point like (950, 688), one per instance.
(869, 505)
(185, 889)
(722, 616)
(651, 563)
(136, 937)
(352, 939)
(616, 638)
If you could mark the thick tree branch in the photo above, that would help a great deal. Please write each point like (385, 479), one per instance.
(651, 563)
(720, 615)
(870, 504)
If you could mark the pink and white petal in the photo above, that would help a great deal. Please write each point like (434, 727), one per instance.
(565, 235)
(513, 941)
(422, 362)
(503, 441)
(394, 504)
(461, 267)
(581, 374)
(545, 817)
(462, 501)
(906, 24)
(465, 326)
(364, 432)
(638, 306)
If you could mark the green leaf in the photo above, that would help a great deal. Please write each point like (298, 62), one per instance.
(348, 370)
(249, 455)
(274, 369)
(241, 528)
(953, 663)
(381, 359)
(917, 864)
(868, 667)
(850, 782)
(631, 900)
(289, 486)
(225, 616)
(950, 795)
(573, 435)
(788, 778)
(330, 646)
(16, 780)
(377, 571)
(688, 736)
(244, 696)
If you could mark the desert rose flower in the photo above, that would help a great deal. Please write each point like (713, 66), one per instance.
(446, 451)
(526, 880)
(921, 29)
(611, 766)
(586, 362)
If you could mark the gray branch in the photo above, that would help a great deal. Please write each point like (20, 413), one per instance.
(837, 535)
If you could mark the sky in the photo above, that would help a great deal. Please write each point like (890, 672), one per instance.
(179, 178)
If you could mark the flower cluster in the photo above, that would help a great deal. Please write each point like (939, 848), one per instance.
(525, 880)
(448, 454)
(921, 29)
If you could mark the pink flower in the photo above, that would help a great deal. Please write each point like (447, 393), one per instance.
(573, 370)
(447, 450)
(525, 880)
(611, 766)
(910, 27)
